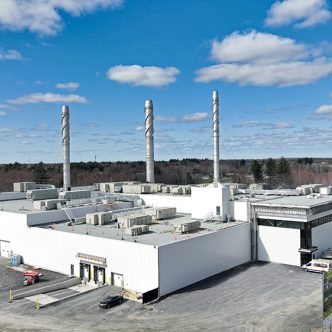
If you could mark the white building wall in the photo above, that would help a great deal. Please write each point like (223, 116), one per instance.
(56, 250)
(189, 261)
(181, 203)
(240, 211)
(322, 238)
(204, 201)
(279, 245)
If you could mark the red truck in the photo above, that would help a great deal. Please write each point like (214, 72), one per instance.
(31, 276)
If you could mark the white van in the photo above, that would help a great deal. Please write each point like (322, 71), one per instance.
(317, 265)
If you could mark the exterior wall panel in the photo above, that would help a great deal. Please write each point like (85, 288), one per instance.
(322, 237)
(279, 245)
(181, 203)
(192, 260)
(56, 250)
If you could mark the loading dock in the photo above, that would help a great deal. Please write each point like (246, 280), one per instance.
(85, 271)
(99, 276)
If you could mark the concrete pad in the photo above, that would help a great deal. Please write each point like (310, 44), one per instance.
(83, 288)
(42, 299)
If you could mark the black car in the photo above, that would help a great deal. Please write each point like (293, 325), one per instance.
(110, 301)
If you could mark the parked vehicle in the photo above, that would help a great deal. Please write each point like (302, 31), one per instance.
(31, 276)
(317, 265)
(110, 301)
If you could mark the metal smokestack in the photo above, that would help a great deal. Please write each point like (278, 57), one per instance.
(215, 108)
(148, 111)
(66, 148)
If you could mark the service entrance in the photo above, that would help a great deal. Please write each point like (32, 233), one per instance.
(99, 275)
(117, 280)
(5, 248)
(85, 271)
(307, 254)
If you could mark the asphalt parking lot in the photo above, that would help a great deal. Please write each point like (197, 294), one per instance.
(252, 297)
(13, 280)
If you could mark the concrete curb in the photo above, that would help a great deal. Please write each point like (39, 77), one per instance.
(69, 297)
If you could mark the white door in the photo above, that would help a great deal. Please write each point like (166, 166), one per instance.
(5, 249)
(117, 280)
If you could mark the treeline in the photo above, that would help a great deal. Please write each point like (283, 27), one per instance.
(273, 172)
(279, 172)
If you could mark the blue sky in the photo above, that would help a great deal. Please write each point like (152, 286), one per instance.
(271, 62)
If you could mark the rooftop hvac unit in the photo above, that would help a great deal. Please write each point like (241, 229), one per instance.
(137, 230)
(77, 194)
(49, 204)
(326, 190)
(92, 218)
(163, 213)
(189, 226)
(133, 220)
(39, 194)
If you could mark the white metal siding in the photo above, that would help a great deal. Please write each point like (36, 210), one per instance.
(55, 250)
(192, 260)
(206, 199)
(181, 203)
(322, 237)
(279, 245)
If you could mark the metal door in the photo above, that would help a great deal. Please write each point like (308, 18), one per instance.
(5, 249)
(117, 279)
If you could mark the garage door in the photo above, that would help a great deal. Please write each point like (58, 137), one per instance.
(117, 279)
(4, 249)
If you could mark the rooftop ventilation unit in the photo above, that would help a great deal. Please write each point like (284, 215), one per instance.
(186, 227)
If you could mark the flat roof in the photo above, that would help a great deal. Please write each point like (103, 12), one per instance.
(159, 234)
(24, 206)
(297, 201)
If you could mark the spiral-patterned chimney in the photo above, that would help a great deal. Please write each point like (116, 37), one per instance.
(148, 111)
(215, 109)
(66, 148)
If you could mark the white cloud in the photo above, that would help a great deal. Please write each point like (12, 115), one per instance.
(305, 13)
(143, 76)
(262, 59)
(266, 125)
(280, 74)
(68, 86)
(10, 54)
(5, 130)
(47, 98)
(324, 109)
(195, 117)
(256, 46)
(139, 128)
(43, 16)
(2, 113)
(187, 118)
(166, 119)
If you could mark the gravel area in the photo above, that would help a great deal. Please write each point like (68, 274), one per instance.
(252, 297)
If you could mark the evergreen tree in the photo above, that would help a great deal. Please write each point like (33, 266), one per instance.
(256, 170)
(283, 171)
(270, 171)
(40, 174)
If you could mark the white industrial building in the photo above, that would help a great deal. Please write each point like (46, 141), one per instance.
(148, 265)
(152, 239)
